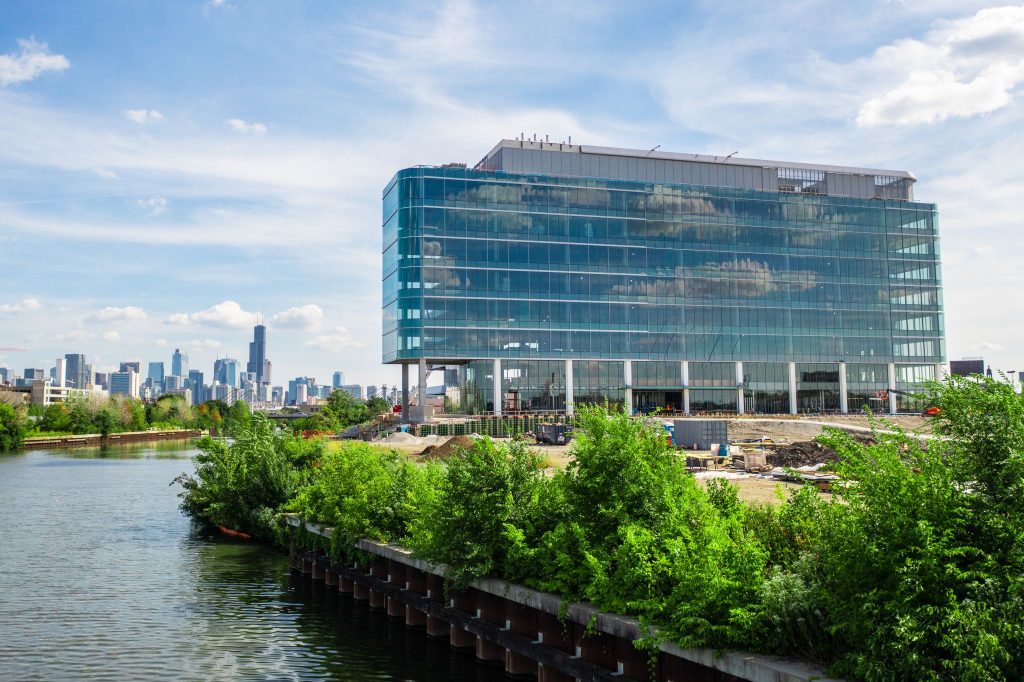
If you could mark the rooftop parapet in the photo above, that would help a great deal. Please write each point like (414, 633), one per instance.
(654, 165)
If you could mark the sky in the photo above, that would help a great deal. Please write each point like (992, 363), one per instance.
(172, 171)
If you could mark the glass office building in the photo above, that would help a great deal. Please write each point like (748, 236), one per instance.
(554, 274)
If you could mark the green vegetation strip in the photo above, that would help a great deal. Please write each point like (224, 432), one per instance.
(913, 570)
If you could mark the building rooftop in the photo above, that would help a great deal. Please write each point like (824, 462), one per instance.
(655, 165)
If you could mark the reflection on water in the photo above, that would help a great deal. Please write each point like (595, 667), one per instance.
(102, 578)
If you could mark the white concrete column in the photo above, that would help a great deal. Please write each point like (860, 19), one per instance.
(627, 377)
(405, 391)
(892, 387)
(792, 388)
(570, 408)
(421, 391)
(739, 387)
(940, 372)
(686, 383)
(844, 406)
(497, 387)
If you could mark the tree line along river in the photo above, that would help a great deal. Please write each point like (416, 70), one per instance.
(102, 578)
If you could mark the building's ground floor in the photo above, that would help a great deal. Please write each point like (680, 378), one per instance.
(507, 386)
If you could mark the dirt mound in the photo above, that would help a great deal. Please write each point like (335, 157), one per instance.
(802, 454)
(452, 446)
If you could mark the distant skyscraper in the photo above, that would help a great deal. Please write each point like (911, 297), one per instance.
(354, 390)
(371, 391)
(338, 380)
(76, 373)
(179, 363)
(226, 371)
(156, 376)
(195, 383)
(172, 382)
(3, 375)
(34, 374)
(133, 366)
(267, 367)
(258, 354)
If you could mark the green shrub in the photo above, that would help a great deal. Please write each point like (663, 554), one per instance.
(242, 485)
(363, 492)
(13, 427)
(485, 496)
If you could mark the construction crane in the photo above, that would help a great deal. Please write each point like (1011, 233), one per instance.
(14, 350)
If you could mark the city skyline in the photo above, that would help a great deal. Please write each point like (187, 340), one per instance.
(149, 204)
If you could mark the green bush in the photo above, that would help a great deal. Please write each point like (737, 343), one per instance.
(242, 485)
(487, 498)
(13, 427)
(363, 492)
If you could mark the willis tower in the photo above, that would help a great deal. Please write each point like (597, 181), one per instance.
(258, 363)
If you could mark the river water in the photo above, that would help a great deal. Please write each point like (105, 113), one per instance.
(102, 578)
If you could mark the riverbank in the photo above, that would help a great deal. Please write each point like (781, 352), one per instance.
(92, 439)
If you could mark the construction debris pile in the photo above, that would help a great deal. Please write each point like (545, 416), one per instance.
(802, 454)
(451, 447)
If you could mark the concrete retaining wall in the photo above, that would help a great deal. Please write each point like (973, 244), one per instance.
(528, 632)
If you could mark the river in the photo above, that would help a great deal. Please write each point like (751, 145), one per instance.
(102, 578)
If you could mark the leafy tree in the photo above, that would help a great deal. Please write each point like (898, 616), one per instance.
(13, 427)
(105, 421)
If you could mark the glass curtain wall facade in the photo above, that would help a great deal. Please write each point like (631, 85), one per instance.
(635, 272)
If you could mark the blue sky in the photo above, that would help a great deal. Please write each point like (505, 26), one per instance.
(170, 170)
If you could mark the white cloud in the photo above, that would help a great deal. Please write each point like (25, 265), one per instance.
(241, 126)
(225, 314)
(309, 316)
(204, 344)
(111, 336)
(23, 306)
(178, 318)
(963, 68)
(338, 341)
(105, 173)
(155, 205)
(33, 60)
(160, 343)
(76, 335)
(143, 115)
(110, 313)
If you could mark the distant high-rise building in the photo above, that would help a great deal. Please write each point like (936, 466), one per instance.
(196, 384)
(34, 374)
(267, 367)
(371, 391)
(277, 395)
(134, 366)
(155, 377)
(226, 371)
(89, 376)
(224, 392)
(125, 383)
(172, 382)
(258, 354)
(338, 380)
(60, 372)
(293, 390)
(354, 390)
(76, 373)
(179, 363)
(101, 379)
(3, 375)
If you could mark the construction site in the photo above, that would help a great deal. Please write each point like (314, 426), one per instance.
(759, 455)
